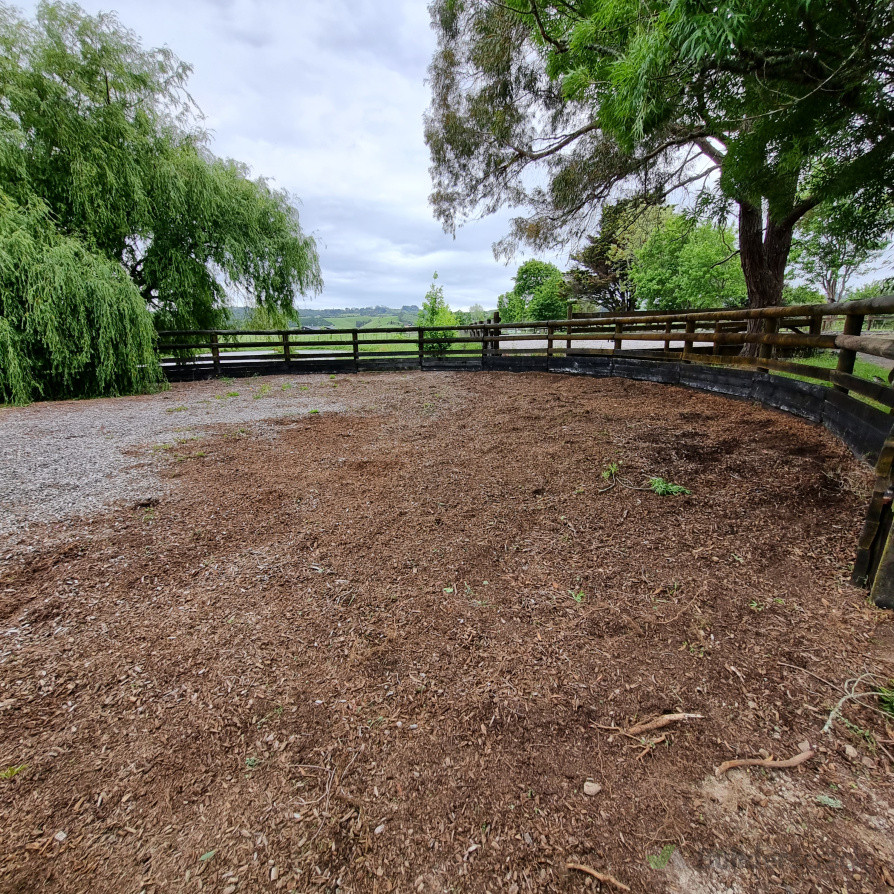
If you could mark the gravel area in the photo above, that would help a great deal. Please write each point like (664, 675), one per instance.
(64, 459)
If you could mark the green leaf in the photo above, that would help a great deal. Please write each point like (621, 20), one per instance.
(666, 489)
(661, 860)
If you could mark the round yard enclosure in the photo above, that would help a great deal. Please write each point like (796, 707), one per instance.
(399, 645)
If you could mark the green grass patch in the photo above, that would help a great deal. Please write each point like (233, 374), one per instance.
(863, 369)
(886, 698)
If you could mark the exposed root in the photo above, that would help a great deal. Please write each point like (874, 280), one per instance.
(660, 722)
(599, 876)
(795, 761)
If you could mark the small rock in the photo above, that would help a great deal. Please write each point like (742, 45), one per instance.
(592, 788)
(380, 828)
(274, 874)
(851, 752)
(61, 836)
(528, 839)
(868, 762)
(804, 746)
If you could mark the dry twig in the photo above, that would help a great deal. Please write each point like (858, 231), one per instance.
(660, 723)
(648, 746)
(758, 762)
(599, 876)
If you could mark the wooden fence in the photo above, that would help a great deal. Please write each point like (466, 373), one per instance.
(700, 348)
(714, 337)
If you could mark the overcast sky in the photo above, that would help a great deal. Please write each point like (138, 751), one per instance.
(326, 97)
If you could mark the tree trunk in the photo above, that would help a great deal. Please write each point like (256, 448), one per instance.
(764, 252)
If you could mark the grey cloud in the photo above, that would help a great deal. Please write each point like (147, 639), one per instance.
(403, 253)
(326, 98)
(257, 40)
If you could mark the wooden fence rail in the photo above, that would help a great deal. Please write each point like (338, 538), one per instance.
(709, 336)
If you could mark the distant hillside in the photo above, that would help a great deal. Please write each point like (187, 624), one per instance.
(345, 318)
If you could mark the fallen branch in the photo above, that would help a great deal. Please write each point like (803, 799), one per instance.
(795, 761)
(851, 694)
(605, 879)
(660, 723)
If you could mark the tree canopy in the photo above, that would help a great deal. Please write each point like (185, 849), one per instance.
(835, 241)
(435, 311)
(539, 293)
(71, 321)
(102, 153)
(603, 268)
(771, 105)
(685, 264)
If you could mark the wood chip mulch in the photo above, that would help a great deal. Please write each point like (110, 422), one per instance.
(400, 648)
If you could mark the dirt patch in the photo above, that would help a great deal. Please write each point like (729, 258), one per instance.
(386, 649)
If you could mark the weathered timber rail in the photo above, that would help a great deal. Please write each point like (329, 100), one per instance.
(698, 349)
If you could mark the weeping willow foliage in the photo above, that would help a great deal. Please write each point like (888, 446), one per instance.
(71, 321)
(117, 218)
(221, 231)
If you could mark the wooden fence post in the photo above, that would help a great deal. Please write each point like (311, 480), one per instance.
(667, 331)
(874, 562)
(619, 342)
(355, 344)
(716, 349)
(286, 349)
(421, 341)
(853, 325)
(215, 353)
(687, 344)
(550, 330)
(495, 344)
(882, 591)
(816, 325)
(765, 351)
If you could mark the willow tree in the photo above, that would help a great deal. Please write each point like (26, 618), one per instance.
(773, 106)
(104, 163)
(71, 320)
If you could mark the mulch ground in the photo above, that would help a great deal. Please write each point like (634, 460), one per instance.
(398, 650)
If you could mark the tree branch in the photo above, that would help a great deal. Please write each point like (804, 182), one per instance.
(552, 150)
(560, 46)
(725, 260)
